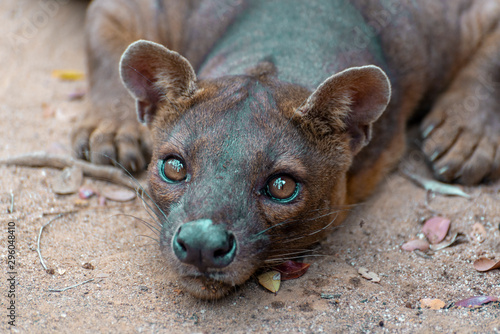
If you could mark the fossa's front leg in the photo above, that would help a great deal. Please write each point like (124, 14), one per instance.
(109, 130)
(462, 131)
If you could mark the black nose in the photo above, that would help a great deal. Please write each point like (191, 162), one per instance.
(204, 245)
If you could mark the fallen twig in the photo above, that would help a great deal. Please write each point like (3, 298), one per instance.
(435, 186)
(426, 205)
(456, 238)
(422, 254)
(42, 159)
(11, 208)
(71, 287)
(40, 237)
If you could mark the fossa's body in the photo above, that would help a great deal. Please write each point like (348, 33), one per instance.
(278, 114)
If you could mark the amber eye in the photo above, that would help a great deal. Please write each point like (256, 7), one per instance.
(282, 188)
(172, 170)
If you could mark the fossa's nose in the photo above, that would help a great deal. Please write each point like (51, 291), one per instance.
(204, 245)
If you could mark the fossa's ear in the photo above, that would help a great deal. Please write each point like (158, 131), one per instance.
(349, 101)
(152, 73)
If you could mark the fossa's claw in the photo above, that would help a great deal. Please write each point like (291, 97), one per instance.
(428, 131)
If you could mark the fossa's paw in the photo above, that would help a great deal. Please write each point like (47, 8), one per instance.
(461, 138)
(107, 141)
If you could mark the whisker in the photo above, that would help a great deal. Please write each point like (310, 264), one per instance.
(271, 227)
(325, 215)
(149, 237)
(315, 232)
(279, 260)
(291, 252)
(325, 227)
(146, 223)
(139, 185)
(149, 210)
(302, 220)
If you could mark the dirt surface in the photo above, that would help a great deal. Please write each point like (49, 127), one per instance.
(132, 291)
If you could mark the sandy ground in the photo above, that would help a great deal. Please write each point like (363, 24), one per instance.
(132, 292)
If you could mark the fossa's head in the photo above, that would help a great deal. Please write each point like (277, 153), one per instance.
(246, 170)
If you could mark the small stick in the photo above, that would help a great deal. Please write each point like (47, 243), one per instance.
(422, 254)
(42, 159)
(71, 287)
(40, 237)
(436, 186)
(427, 201)
(11, 208)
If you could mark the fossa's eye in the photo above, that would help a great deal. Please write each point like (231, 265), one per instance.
(172, 169)
(282, 188)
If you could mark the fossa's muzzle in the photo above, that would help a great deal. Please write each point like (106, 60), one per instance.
(204, 245)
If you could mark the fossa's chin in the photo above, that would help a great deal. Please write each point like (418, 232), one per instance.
(207, 288)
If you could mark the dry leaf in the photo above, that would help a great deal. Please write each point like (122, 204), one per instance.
(291, 269)
(433, 304)
(368, 275)
(476, 301)
(485, 264)
(68, 75)
(436, 229)
(270, 280)
(412, 245)
(68, 181)
(119, 195)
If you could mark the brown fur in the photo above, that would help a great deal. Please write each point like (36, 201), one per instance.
(443, 61)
